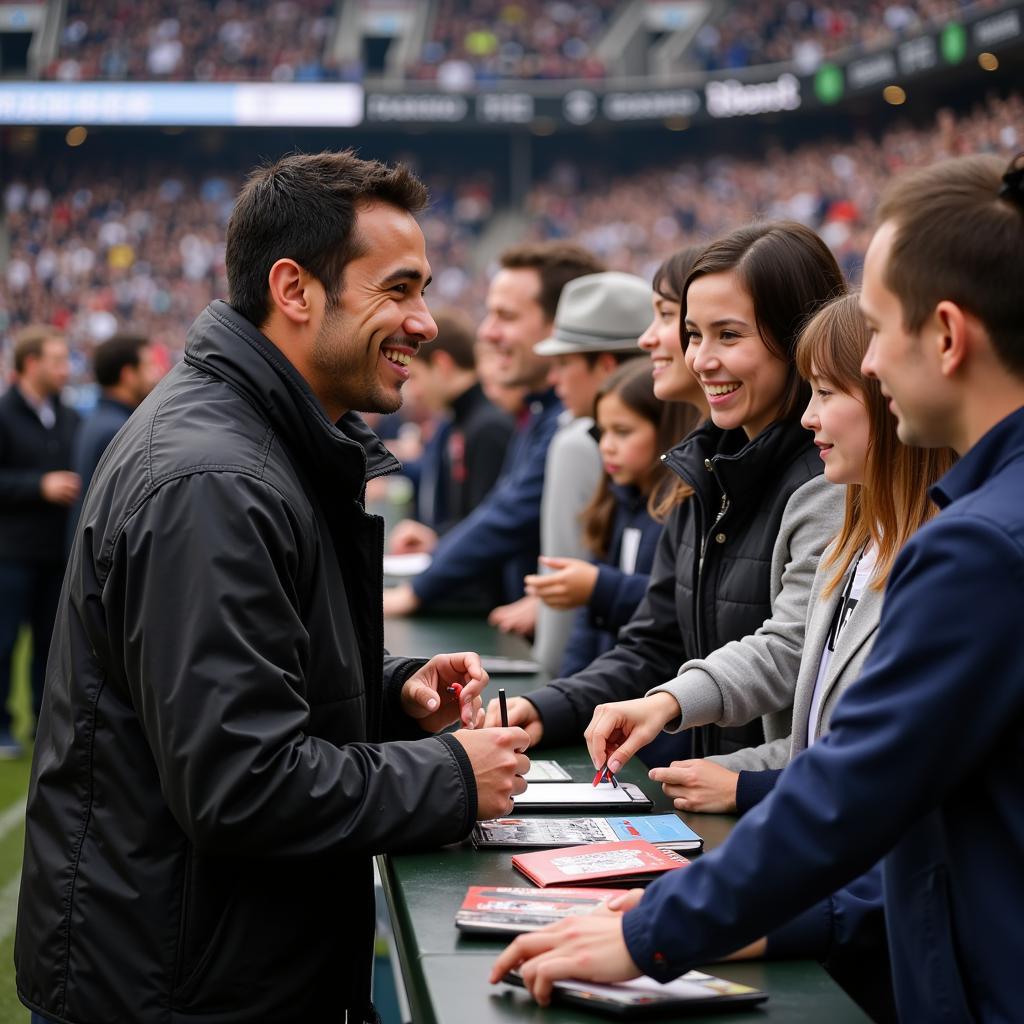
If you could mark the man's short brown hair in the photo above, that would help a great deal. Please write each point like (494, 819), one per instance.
(957, 239)
(556, 263)
(29, 342)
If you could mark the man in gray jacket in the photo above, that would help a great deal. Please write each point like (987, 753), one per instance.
(210, 781)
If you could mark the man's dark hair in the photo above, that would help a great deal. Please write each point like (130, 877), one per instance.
(114, 355)
(958, 239)
(556, 263)
(303, 207)
(455, 335)
(29, 341)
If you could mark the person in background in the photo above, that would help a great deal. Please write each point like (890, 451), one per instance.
(462, 460)
(126, 370)
(923, 765)
(37, 489)
(598, 321)
(633, 429)
(511, 398)
(501, 537)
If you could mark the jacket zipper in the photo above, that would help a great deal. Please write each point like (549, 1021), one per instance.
(723, 508)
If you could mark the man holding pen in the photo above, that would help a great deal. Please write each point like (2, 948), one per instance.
(225, 744)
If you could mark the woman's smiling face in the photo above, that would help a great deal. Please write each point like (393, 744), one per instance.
(673, 381)
(744, 382)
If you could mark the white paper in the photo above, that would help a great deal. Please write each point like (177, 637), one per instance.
(572, 793)
(406, 565)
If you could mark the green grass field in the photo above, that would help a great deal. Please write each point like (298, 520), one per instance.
(13, 787)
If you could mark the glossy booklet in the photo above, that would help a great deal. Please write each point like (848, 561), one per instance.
(665, 830)
(634, 862)
(511, 910)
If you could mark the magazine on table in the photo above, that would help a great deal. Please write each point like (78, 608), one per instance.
(664, 830)
(512, 910)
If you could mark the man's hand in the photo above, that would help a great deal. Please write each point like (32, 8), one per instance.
(518, 617)
(617, 731)
(698, 785)
(568, 587)
(425, 695)
(400, 600)
(589, 948)
(409, 537)
(499, 765)
(60, 487)
(520, 712)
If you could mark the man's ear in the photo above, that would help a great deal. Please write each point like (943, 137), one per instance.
(290, 292)
(952, 336)
(606, 362)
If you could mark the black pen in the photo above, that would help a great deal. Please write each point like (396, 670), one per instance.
(503, 704)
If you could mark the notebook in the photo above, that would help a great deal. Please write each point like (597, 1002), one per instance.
(546, 771)
(664, 830)
(634, 862)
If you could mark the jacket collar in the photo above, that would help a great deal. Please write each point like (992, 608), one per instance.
(1002, 444)
(226, 345)
(740, 466)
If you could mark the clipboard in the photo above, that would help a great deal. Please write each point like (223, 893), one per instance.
(582, 796)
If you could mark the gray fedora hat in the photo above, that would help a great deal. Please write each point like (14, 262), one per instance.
(599, 313)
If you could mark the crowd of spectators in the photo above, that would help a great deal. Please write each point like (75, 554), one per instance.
(105, 251)
(473, 43)
(832, 186)
(745, 34)
(201, 40)
(109, 248)
(469, 42)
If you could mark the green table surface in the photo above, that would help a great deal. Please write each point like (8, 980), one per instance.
(445, 974)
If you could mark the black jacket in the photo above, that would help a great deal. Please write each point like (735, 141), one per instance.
(693, 607)
(32, 528)
(208, 787)
(462, 461)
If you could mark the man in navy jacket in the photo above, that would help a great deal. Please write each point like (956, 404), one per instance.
(924, 765)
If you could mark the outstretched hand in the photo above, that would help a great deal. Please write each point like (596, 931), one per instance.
(569, 586)
(426, 696)
(617, 731)
(589, 948)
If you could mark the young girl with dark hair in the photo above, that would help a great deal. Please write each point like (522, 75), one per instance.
(620, 526)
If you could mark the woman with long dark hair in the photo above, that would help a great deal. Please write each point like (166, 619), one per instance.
(743, 548)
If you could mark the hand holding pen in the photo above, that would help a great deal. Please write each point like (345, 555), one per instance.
(427, 694)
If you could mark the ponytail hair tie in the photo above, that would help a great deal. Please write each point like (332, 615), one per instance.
(1013, 182)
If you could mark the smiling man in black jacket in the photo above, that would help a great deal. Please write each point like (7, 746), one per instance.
(209, 782)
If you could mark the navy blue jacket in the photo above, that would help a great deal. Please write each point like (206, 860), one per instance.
(947, 815)
(616, 593)
(501, 537)
(97, 431)
(93, 437)
(32, 529)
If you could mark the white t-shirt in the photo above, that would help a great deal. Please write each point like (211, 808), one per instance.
(856, 582)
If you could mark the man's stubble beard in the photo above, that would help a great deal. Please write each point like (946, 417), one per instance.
(351, 384)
